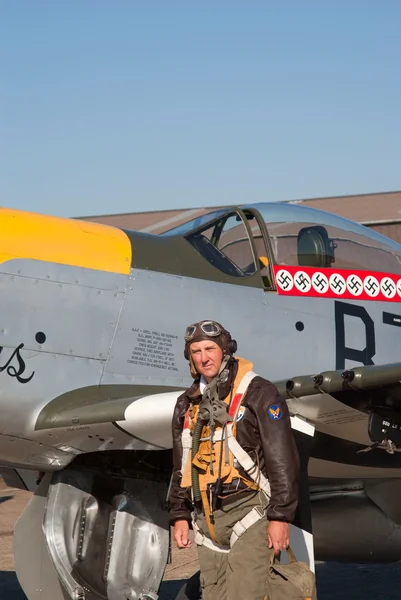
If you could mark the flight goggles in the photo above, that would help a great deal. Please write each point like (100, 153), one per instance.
(209, 328)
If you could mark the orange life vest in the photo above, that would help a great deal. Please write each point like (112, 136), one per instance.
(207, 459)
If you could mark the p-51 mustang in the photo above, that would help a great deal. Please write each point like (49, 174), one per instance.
(91, 364)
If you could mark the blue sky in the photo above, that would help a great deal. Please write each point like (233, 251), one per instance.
(124, 106)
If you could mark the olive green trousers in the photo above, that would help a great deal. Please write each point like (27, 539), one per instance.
(241, 573)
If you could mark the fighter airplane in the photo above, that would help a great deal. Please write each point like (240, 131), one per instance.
(91, 364)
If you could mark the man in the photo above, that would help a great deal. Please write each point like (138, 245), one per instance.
(235, 465)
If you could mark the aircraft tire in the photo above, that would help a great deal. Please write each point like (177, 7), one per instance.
(191, 590)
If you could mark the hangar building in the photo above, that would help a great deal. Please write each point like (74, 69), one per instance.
(380, 211)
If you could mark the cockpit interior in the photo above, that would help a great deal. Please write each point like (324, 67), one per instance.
(240, 241)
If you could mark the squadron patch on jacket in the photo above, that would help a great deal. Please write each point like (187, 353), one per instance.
(240, 414)
(275, 412)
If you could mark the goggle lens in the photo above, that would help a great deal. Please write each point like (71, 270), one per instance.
(209, 328)
(189, 332)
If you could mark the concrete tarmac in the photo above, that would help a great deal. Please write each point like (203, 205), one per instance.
(345, 581)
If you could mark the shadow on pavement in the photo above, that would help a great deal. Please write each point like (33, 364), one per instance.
(5, 498)
(9, 587)
(334, 580)
(169, 589)
(358, 581)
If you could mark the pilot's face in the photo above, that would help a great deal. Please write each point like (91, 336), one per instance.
(207, 357)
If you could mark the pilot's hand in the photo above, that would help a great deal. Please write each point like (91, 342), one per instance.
(278, 535)
(180, 534)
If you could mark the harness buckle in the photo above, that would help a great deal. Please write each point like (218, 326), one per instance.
(260, 510)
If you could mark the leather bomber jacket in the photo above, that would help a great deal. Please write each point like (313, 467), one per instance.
(269, 442)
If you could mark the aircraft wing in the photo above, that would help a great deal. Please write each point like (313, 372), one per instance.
(373, 389)
(139, 409)
(109, 403)
(103, 404)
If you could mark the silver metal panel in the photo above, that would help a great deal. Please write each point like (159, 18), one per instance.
(159, 306)
(36, 573)
(77, 320)
(19, 452)
(23, 479)
(107, 543)
(20, 404)
(98, 438)
(145, 311)
(49, 271)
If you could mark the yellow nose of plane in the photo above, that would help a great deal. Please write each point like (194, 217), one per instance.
(63, 241)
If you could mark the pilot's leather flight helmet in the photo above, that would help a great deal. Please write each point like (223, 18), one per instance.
(208, 330)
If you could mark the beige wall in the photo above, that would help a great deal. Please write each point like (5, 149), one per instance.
(362, 208)
(391, 230)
